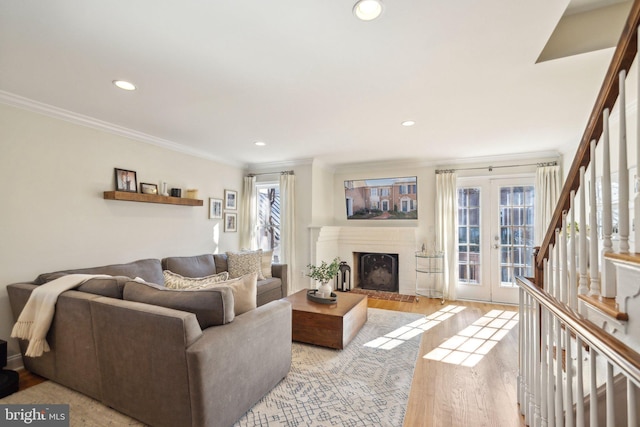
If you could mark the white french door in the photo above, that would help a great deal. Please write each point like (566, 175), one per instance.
(495, 237)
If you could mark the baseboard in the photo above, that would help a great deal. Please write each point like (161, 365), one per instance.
(14, 362)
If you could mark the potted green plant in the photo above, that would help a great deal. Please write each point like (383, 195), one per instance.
(323, 273)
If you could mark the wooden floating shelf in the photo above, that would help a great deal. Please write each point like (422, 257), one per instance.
(151, 198)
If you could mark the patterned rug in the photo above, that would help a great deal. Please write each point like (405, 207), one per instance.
(365, 384)
(387, 296)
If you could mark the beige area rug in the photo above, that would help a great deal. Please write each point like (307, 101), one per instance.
(366, 384)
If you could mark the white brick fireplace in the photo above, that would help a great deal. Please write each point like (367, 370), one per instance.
(344, 242)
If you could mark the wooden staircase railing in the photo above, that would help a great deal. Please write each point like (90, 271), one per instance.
(622, 59)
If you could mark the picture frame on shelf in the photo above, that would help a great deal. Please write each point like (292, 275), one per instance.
(230, 200)
(230, 222)
(126, 180)
(215, 208)
(146, 188)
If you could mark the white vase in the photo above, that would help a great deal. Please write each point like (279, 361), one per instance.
(324, 291)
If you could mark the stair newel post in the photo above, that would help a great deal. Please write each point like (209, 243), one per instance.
(573, 271)
(594, 274)
(608, 279)
(564, 292)
(579, 384)
(582, 254)
(623, 171)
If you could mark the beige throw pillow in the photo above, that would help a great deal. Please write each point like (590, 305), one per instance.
(176, 281)
(245, 292)
(245, 262)
(266, 264)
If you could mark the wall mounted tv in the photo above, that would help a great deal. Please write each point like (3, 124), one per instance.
(382, 198)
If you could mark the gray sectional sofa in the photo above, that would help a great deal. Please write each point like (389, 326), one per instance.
(180, 358)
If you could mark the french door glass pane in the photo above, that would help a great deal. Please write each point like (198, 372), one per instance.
(469, 235)
(516, 233)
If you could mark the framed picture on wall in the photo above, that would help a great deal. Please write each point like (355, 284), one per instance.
(215, 208)
(230, 200)
(126, 180)
(230, 222)
(148, 188)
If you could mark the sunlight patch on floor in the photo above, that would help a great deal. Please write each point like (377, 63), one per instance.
(414, 329)
(471, 344)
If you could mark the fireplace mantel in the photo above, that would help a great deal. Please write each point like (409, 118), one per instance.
(344, 241)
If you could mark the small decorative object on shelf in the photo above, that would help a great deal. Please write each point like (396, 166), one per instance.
(148, 188)
(164, 190)
(323, 274)
(126, 180)
(192, 193)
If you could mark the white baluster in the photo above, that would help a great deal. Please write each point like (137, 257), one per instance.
(636, 212)
(579, 384)
(523, 350)
(593, 396)
(559, 403)
(551, 411)
(564, 292)
(582, 256)
(594, 287)
(610, 397)
(623, 171)
(569, 381)
(573, 272)
(544, 368)
(525, 367)
(556, 263)
(608, 288)
(632, 411)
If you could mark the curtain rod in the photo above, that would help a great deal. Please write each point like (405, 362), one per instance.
(271, 173)
(491, 168)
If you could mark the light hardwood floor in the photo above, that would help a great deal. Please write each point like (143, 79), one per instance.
(446, 395)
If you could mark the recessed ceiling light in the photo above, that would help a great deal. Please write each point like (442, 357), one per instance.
(125, 85)
(408, 123)
(260, 143)
(367, 10)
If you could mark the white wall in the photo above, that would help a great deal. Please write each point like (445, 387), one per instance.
(53, 214)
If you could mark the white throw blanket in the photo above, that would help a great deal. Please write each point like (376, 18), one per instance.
(36, 316)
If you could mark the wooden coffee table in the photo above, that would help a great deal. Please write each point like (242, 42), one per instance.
(327, 325)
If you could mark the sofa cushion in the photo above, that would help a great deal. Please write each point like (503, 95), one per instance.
(148, 269)
(245, 292)
(212, 306)
(221, 262)
(266, 264)
(245, 262)
(175, 281)
(191, 266)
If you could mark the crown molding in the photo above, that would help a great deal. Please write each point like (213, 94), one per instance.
(18, 101)
(270, 166)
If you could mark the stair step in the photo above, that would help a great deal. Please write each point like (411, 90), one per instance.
(606, 305)
(629, 257)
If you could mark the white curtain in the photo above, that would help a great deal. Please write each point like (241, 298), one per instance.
(287, 222)
(447, 229)
(547, 192)
(248, 214)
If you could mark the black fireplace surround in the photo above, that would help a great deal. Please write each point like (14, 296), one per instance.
(379, 272)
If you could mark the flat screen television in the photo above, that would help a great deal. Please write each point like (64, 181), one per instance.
(382, 198)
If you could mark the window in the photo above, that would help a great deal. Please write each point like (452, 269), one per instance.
(469, 235)
(374, 191)
(268, 205)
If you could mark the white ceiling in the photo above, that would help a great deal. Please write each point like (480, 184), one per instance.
(307, 77)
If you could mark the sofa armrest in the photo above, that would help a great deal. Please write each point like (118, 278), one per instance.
(231, 367)
(280, 271)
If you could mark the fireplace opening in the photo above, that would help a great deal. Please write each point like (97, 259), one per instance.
(378, 271)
